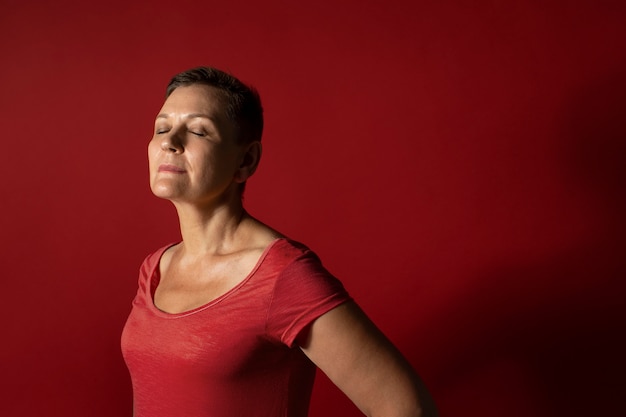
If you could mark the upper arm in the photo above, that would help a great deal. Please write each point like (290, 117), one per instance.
(362, 362)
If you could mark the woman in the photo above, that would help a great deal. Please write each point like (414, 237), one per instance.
(232, 320)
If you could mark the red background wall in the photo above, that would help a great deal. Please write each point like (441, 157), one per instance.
(458, 164)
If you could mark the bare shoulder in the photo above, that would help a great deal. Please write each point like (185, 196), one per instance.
(260, 235)
(166, 257)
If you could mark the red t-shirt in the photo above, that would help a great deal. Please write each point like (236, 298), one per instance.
(236, 355)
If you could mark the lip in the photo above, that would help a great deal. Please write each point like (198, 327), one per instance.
(171, 168)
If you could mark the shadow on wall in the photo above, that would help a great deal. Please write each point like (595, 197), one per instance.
(548, 338)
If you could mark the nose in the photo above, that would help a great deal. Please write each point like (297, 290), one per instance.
(171, 142)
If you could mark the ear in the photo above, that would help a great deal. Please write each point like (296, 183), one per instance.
(249, 161)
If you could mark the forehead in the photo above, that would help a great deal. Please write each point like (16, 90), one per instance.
(196, 98)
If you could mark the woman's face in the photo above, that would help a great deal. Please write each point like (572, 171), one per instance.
(193, 155)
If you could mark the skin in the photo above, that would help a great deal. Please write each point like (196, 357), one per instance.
(196, 162)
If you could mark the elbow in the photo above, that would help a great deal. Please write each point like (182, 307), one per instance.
(422, 407)
(426, 408)
(421, 412)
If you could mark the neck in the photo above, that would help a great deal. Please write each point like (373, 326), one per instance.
(212, 230)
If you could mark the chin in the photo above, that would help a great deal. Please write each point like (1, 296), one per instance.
(164, 192)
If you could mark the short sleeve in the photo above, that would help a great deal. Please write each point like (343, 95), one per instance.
(303, 291)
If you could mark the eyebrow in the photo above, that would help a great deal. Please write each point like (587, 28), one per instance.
(188, 116)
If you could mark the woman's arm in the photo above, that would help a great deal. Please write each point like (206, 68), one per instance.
(362, 362)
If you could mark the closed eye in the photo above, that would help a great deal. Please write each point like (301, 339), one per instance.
(161, 128)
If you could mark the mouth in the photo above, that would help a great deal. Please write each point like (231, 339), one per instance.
(171, 168)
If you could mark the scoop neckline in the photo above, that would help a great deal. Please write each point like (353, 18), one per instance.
(155, 278)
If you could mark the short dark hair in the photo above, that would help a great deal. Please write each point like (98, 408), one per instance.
(243, 103)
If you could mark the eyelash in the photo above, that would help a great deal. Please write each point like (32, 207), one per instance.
(201, 134)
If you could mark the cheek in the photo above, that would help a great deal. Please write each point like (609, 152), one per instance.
(153, 150)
